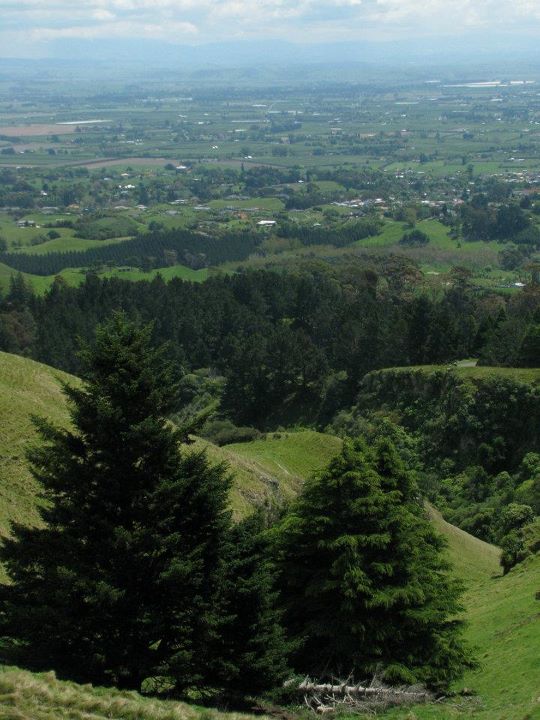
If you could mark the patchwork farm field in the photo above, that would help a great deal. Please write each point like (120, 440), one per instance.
(200, 162)
(40, 130)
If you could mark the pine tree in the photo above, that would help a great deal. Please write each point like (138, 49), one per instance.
(255, 639)
(124, 581)
(363, 580)
(529, 352)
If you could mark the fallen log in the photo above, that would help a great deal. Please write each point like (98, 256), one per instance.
(325, 698)
(361, 691)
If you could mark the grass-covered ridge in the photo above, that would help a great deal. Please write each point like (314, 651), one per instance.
(27, 388)
(273, 469)
(467, 372)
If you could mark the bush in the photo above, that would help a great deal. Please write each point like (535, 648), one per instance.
(519, 544)
(415, 238)
(224, 432)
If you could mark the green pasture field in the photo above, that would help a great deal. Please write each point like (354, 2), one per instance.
(74, 276)
(437, 232)
(299, 453)
(186, 215)
(272, 470)
(168, 273)
(526, 375)
(38, 283)
(263, 203)
(65, 243)
(11, 233)
(442, 252)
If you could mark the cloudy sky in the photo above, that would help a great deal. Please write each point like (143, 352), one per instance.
(27, 25)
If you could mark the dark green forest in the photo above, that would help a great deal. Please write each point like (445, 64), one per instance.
(263, 349)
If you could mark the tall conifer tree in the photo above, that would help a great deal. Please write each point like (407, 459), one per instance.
(363, 578)
(254, 639)
(124, 581)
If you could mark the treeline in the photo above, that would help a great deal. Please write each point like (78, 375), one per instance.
(154, 249)
(339, 236)
(506, 222)
(146, 250)
(293, 345)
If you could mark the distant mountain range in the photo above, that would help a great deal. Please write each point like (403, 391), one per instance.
(421, 55)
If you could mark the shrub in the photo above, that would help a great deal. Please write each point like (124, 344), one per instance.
(224, 432)
(415, 238)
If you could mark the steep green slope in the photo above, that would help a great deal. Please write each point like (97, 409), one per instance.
(474, 561)
(32, 696)
(503, 617)
(26, 388)
(273, 469)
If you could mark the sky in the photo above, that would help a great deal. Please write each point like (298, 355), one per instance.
(32, 27)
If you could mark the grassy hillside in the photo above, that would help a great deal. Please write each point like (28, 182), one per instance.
(27, 696)
(26, 388)
(504, 627)
(264, 470)
(503, 613)
(526, 375)
(272, 470)
(473, 560)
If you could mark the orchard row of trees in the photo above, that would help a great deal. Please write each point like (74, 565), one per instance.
(191, 248)
(138, 577)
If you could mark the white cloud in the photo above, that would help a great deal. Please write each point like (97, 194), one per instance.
(301, 20)
(171, 31)
(102, 15)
